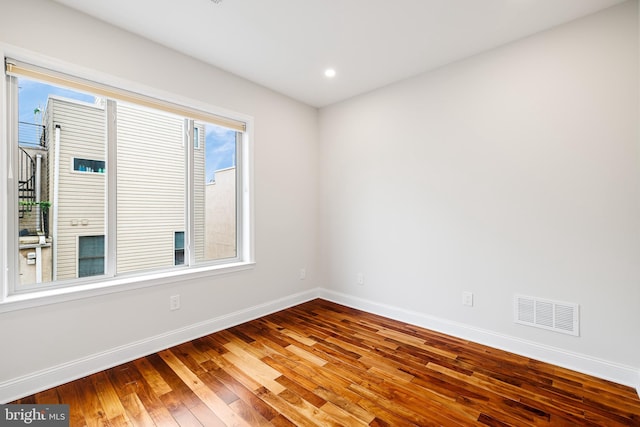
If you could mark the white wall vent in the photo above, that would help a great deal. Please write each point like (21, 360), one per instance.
(546, 314)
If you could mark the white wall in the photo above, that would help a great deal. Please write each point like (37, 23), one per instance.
(286, 175)
(514, 171)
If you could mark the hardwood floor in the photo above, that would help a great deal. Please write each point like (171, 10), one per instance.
(320, 363)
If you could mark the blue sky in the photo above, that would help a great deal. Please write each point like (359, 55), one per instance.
(220, 146)
(33, 94)
(219, 142)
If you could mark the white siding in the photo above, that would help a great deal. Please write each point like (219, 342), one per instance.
(81, 200)
(150, 186)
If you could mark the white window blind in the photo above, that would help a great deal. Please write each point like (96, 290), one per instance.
(21, 69)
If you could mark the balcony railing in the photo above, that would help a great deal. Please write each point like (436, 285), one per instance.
(31, 135)
(26, 182)
(31, 138)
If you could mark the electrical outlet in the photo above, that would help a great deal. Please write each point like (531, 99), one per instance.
(174, 302)
(467, 299)
(360, 279)
(303, 273)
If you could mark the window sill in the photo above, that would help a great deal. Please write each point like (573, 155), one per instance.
(71, 293)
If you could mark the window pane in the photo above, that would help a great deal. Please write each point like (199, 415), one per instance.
(196, 138)
(215, 197)
(86, 165)
(179, 257)
(58, 203)
(178, 247)
(179, 240)
(90, 267)
(151, 187)
(90, 256)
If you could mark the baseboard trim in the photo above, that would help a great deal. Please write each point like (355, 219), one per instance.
(617, 373)
(32, 383)
(60, 374)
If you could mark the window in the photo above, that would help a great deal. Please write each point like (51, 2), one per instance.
(196, 138)
(85, 165)
(178, 248)
(90, 256)
(148, 167)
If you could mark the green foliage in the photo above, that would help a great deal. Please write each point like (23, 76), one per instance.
(44, 205)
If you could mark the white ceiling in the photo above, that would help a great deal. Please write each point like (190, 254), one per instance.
(286, 45)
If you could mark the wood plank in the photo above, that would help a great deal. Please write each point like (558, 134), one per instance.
(91, 407)
(263, 373)
(128, 379)
(348, 405)
(248, 413)
(136, 411)
(246, 395)
(153, 378)
(288, 411)
(47, 397)
(181, 415)
(306, 355)
(68, 393)
(109, 399)
(204, 393)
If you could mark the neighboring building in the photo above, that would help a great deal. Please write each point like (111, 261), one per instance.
(150, 188)
(220, 230)
(151, 192)
(77, 182)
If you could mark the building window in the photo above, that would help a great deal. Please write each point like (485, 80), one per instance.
(175, 168)
(90, 256)
(86, 165)
(178, 248)
(196, 138)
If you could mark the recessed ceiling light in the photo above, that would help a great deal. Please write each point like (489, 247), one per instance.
(330, 72)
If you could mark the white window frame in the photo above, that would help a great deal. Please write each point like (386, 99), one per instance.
(94, 286)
